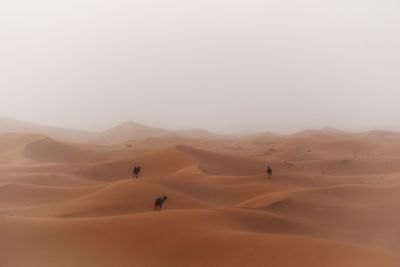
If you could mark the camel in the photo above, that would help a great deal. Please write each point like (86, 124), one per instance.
(159, 202)
(136, 171)
(269, 171)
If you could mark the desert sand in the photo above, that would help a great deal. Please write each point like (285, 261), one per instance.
(333, 199)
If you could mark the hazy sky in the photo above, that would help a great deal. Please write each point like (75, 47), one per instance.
(224, 65)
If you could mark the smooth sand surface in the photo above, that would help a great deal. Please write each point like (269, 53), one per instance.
(333, 200)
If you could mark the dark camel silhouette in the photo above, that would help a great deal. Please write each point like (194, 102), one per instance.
(136, 171)
(159, 202)
(269, 171)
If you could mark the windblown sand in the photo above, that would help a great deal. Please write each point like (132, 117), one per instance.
(333, 201)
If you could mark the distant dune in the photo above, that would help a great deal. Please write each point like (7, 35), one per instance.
(130, 131)
(12, 125)
(126, 132)
(332, 200)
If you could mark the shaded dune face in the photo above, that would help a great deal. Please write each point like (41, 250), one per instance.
(332, 200)
(214, 163)
(50, 150)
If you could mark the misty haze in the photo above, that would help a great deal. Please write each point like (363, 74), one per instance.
(199, 133)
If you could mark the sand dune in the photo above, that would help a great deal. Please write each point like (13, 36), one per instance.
(130, 131)
(130, 240)
(8, 125)
(49, 150)
(17, 194)
(125, 132)
(215, 163)
(124, 197)
(332, 200)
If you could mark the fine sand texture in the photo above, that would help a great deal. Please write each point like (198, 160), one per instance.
(333, 199)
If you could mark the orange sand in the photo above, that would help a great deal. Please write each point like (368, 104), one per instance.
(333, 200)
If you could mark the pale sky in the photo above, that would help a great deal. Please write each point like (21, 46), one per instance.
(223, 65)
